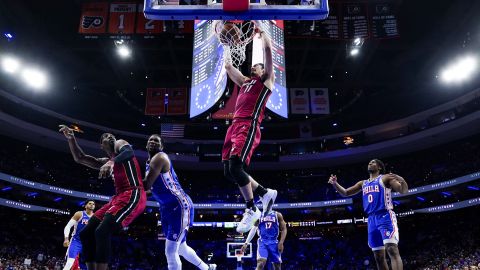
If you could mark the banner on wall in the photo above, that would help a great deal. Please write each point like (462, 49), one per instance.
(94, 18)
(177, 101)
(299, 101)
(319, 102)
(122, 18)
(155, 101)
(164, 101)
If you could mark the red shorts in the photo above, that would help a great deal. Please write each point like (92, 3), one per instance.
(124, 207)
(243, 136)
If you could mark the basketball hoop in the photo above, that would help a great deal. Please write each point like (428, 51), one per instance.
(234, 37)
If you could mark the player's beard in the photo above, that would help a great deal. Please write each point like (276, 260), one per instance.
(371, 171)
(111, 144)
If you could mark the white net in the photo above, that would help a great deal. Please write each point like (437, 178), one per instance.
(234, 37)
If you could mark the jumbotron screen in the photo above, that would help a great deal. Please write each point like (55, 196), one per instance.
(278, 99)
(209, 77)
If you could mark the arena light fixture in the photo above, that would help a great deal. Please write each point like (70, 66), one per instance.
(34, 78)
(357, 41)
(354, 51)
(124, 51)
(10, 64)
(460, 70)
(355, 46)
(8, 36)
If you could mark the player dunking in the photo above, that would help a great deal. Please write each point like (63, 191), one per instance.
(128, 203)
(268, 246)
(377, 204)
(243, 136)
(176, 206)
(78, 222)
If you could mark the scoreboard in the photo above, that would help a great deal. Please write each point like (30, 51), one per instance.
(209, 76)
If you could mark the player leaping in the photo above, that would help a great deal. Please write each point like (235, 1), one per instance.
(127, 204)
(78, 222)
(377, 204)
(243, 136)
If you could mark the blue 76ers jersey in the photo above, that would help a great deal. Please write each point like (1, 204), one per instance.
(268, 228)
(80, 225)
(376, 197)
(167, 189)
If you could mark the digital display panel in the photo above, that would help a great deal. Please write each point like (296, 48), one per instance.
(209, 77)
(278, 102)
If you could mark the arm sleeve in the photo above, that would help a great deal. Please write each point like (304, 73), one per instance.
(125, 153)
(70, 224)
(251, 234)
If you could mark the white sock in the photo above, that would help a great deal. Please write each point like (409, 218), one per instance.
(69, 264)
(173, 258)
(191, 256)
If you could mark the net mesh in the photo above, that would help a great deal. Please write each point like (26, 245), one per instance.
(234, 37)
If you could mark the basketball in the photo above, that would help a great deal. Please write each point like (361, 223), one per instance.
(230, 34)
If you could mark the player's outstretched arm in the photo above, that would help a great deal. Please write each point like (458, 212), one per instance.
(268, 76)
(250, 236)
(345, 191)
(158, 164)
(78, 155)
(233, 73)
(72, 222)
(395, 182)
(283, 231)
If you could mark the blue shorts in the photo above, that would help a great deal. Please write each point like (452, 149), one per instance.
(268, 251)
(74, 248)
(176, 219)
(382, 229)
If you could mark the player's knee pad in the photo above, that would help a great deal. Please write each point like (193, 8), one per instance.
(173, 258)
(236, 170)
(226, 172)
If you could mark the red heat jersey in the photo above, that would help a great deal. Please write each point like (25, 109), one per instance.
(127, 175)
(252, 99)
